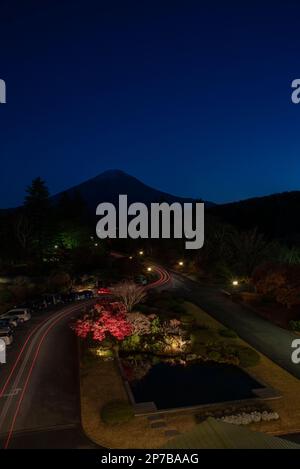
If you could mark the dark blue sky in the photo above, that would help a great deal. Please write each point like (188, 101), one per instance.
(192, 97)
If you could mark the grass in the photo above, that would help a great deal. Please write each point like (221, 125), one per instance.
(116, 412)
(288, 407)
(101, 383)
(227, 333)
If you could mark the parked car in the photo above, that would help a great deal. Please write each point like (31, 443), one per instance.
(7, 336)
(23, 314)
(35, 305)
(87, 294)
(69, 297)
(102, 291)
(11, 324)
(52, 299)
(13, 320)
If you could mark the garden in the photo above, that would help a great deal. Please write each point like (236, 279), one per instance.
(161, 331)
(108, 417)
(159, 327)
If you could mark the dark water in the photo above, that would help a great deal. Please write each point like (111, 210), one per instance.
(172, 386)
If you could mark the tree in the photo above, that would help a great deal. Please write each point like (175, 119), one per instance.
(59, 281)
(288, 296)
(23, 230)
(140, 323)
(268, 282)
(104, 322)
(37, 210)
(248, 249)
(281, 282)
(129, 293)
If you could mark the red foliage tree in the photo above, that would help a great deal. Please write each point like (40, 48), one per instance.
(281, 282)
(104, 321)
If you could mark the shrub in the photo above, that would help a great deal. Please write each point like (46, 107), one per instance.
(116, 412)
(131, 343)
(155, 326)
(228, 333)
(250, 297)
(247, 357)
(187, 319)
(214, 356)
(295, 325)
(158, 346)
(203, 336)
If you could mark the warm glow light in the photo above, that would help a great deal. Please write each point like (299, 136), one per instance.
(141, 253)
(235, 282)
(102, 352)
(130, 257)
(180, 263)
(149, 269)
(96, 244)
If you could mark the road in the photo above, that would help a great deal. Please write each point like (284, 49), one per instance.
(39, 384)
(269, 339)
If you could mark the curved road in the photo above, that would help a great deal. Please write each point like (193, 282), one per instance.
(269, 339)
(39, 384)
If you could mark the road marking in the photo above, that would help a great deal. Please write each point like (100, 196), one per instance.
(12, 393)
(48, 326)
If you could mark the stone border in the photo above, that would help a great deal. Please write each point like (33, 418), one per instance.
(266, 393)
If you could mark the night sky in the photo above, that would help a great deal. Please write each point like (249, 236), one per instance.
(191, 97)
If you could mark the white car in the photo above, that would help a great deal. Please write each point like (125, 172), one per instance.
(23, 314)
(6, 335)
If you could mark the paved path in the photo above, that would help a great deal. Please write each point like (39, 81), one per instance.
(269, 339)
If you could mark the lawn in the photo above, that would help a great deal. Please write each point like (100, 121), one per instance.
(101, 382)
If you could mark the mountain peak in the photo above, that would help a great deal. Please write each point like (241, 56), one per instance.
(107, 186)
(112, 173)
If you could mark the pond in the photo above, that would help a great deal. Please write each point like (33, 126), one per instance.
(174, 385)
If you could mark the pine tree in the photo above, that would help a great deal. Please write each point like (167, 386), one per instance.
(37, 208)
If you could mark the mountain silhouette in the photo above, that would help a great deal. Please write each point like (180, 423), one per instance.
(107, 186)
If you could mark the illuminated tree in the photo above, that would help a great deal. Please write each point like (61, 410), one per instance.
(140, 323)
(104, 322)
(129, 293)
